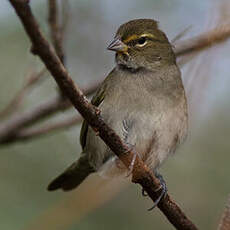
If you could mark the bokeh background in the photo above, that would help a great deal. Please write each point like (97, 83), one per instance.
(197, 176)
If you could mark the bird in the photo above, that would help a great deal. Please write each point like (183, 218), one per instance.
(142, 99)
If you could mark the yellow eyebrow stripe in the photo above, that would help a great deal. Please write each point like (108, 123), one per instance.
(135, 36)
(130, 38)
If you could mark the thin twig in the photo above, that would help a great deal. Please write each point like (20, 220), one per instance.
(42, 111)
(141, 174)
(56, 32)
(181, 34)
(10, 128)
(33, 132)
(18, 98)
(14, 124)
(56, 29)
(217, 35)
(65, 18)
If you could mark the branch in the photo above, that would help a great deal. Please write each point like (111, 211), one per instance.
(18, 98)
(10, 128)
(34, 132)
(181, 34)
(210, 38)
(57, 33)
(55, 29)
(65, 17)
(141, 174)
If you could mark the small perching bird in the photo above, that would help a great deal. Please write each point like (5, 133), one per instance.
(142, 100)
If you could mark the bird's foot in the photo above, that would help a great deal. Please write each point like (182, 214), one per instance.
(163, 189)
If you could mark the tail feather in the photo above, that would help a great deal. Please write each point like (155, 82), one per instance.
(72, 176)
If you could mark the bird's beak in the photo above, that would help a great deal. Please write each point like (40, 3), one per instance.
(118, 46)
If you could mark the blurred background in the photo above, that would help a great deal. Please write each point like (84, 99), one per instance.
(197, 176)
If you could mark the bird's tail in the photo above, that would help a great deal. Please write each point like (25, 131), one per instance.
(72, 176)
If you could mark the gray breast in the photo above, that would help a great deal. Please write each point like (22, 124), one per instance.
(152, 106)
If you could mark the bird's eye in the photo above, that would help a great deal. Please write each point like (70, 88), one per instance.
(141, 41)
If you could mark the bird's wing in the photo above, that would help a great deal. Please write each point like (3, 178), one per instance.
(96, 101)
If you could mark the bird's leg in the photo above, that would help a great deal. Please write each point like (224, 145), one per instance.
(163, 189)
(132, 163)
(127, 125)
(120, 165)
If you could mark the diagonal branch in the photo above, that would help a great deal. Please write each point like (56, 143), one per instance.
(141, 174)
(181, 34)
(9, 128)
(210, 38)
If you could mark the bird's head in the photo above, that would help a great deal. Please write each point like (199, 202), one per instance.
(141, 44)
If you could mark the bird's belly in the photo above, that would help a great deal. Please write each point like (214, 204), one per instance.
(153, 135)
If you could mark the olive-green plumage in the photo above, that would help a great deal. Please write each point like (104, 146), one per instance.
(142, 99)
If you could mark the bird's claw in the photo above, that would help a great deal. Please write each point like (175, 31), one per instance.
(163, 188)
